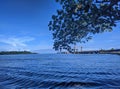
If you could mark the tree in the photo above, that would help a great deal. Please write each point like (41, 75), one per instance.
(78, 20)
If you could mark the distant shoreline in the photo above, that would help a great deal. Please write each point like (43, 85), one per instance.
(112, 51)
(15, 52)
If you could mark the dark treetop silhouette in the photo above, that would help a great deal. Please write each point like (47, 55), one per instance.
(78, 20)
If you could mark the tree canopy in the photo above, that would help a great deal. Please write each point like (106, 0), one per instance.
(78, 20)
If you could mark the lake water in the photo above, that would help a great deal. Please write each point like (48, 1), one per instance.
(60, 71)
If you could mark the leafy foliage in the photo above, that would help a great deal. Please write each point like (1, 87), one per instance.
(78, 20)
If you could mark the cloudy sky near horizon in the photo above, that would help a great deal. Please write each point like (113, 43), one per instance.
(24, 26)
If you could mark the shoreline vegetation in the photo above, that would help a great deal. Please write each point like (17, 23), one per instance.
(111, 51)
(15, 52)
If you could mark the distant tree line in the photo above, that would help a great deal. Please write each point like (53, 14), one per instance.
(102, 51)
(15, 52)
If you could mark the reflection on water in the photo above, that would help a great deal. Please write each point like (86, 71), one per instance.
(59, 71)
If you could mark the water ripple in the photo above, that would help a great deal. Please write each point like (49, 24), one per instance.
(60, 72)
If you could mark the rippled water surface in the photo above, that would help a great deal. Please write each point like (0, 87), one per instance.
(59, 71)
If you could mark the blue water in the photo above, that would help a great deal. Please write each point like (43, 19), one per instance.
(60, 71)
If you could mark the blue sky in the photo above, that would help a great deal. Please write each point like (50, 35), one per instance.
(24, 26)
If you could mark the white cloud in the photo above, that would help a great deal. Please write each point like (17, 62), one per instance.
(15, 43)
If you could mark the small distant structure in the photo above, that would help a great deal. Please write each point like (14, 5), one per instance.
(60, 49)
(81, 48)
(74, 49)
